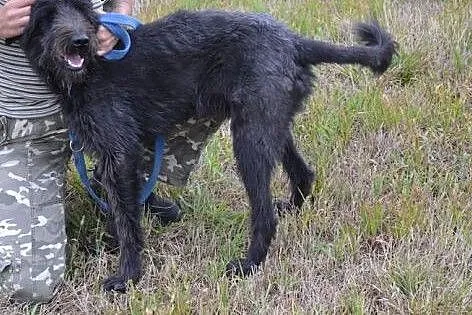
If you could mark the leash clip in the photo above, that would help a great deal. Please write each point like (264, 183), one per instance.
(71, 146)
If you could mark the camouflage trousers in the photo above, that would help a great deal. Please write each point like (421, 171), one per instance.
(33, 158)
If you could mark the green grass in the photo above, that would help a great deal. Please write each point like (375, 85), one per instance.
(390, 228)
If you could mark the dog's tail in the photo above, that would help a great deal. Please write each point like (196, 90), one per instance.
(376, 53)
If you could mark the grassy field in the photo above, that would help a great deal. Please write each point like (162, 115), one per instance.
(390, 228)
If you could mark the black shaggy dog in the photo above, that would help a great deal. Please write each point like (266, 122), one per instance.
(244, 67)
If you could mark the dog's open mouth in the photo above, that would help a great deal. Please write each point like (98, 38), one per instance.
(75, 61)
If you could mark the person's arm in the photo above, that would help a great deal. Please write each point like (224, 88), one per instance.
(107, 40)
(14, 15)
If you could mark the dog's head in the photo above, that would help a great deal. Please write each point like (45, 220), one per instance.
(60, 40)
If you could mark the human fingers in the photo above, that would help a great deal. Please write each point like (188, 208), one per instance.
(106, 46)
(19, 3)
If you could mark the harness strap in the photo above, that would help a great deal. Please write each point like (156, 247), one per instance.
(156, 167)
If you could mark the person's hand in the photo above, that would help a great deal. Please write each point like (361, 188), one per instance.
(14, 16)
(106, 41)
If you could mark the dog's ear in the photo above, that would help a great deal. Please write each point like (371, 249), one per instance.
(42, 15)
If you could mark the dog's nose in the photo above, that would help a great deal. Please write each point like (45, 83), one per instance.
(80, 40)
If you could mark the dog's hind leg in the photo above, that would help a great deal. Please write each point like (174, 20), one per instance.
(301, 177)
(253, 148)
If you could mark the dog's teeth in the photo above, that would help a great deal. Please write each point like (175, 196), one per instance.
(75, 61)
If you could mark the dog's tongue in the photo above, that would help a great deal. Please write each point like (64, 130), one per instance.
(75, 61)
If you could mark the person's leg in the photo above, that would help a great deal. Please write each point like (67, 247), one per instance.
(183, 150)
(182, 153)
(33, 158)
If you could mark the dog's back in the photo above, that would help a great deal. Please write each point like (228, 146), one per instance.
(209, 60)
(212, 59)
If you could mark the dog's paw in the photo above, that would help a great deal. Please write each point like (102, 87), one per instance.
(241, 267)
(283, 207)
(115, 283)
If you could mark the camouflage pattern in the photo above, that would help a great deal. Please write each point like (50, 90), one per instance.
(33, 156)
(183, 150)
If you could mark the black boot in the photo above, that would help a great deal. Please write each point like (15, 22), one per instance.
(166, 210)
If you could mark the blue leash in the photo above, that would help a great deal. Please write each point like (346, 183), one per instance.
(114, 22)
(79, 162)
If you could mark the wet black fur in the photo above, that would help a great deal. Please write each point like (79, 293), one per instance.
(244, 67)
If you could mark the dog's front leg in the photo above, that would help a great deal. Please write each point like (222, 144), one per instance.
(122, 184)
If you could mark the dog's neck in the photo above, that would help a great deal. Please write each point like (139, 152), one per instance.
(73, 97)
